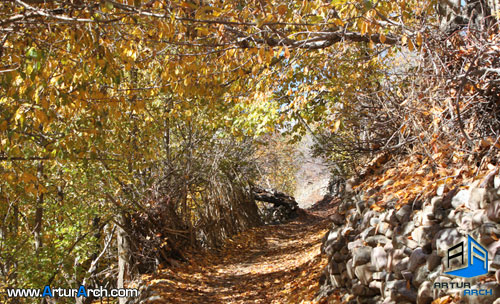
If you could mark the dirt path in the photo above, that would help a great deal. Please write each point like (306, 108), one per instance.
(270, 264)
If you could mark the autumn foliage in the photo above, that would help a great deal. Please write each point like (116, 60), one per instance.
(148, 118)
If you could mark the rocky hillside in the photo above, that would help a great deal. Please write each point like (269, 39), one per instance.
(397, 254)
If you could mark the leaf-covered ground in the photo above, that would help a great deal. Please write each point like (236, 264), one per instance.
(269, 264)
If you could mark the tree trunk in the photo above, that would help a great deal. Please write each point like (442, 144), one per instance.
(39, 213)
(123, 256)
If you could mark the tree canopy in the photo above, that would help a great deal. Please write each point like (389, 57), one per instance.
(115, 107)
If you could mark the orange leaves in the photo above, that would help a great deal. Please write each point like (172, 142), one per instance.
(282, 9)
(443, 300)
(376, 207)
(286, 52)
(419, 39)
(259, 265)
(28, 177)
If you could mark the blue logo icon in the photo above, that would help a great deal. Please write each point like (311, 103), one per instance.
(477, 259)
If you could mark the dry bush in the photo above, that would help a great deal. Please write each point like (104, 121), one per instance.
(197, 196)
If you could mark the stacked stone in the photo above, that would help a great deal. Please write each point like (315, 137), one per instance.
(396, 256)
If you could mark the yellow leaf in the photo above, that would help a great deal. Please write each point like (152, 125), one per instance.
(382, 38)
(30, 189)
(443, 300)
(376, 207)
(336, 126)
(419, 39)
(45, 104)
(411, 46)
(286, 52)
(282, 9)
(3, 126)
(338, 22)
(27, 177)
(363, 27)
(404, 39)
(42, 189)
(40, 116)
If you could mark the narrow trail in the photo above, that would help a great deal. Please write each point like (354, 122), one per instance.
(268, 264)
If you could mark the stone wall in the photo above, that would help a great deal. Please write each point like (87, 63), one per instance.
(395, 256)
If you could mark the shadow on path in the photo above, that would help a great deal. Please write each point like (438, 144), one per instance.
(268, 264)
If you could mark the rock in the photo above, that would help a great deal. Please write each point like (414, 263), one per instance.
(367, 217)
(362, 290)
(350, 269)
(440, 190)
(484, 299)
(467, 221)
(379, 258)
(377, 285)
(361, 255)
(424, 217)
(421, 275)
(367, 232)
(337, 219)
(419, 236)
(338, 257)
(477, 199)
(434, 274)
(333, 268)
(487, 233)
(404, 213)
(436, 202)
(390, 217)
(424, 295)
(399, 266)
(423, 235)
(496, 181)
(433, 261)
(375, 240)
(455, 216)
(461, 198)
(346, 230)
(389, 233)
(354, 244)
(493, 211)
(353, 219)
(395, 258)
(333, 242)
(417, 258)
(497, 276)
(380, 275)
(388, 247)
(364, 273)
(382, 228)
(374, 221)
(494, 252)
(407, 228)
(360, 206)
(479, 217)
(407, 275)
(398, 291)
(410, 243)
(445, 239)
(493, 195)
(336, 280)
